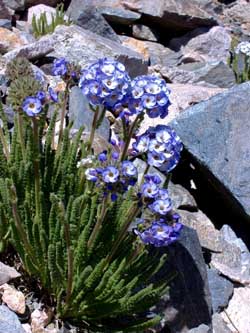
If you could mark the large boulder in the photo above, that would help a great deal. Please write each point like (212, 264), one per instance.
(175, 14)
(216, 133)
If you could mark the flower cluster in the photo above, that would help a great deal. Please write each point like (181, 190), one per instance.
(244, 48)
(112, 178)
(60, 67)
(160, 234)
(105, 82)
(148, 94)
(162, 146)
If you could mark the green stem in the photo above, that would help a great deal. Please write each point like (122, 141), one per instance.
(93, 129)
(4, 143)
(20, 134)
(129, 137)
(98, 224)
(19, 226)
(69, 257)
(36, 165)
(63, 113)
(132, 213)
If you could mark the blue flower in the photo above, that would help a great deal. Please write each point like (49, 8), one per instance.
(151, 94)
(160, 206)
(41, 95)
(53, 95)
(162, 145)
(149, 190)
(110, 174)
(60, 67)
(129, 169)
(105, 82)
(32, 106)
(153, 177)
(91, 174)
(102, 157)
(160, 234)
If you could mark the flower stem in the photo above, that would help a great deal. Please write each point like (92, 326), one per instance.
(98, 224)
(129, 137)
(36, 165)
(20, 134)
(132, 213)
(63, 114)
(93, 129)
(4, 143)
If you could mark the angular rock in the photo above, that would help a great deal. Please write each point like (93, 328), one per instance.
(182, 96)
(32, 51)
(238, 16)
(91, 19)
(204, 45)
(219, 325)
(221, 290)
(181, 198)
(4, 23)
(52, 3)
(234, 261)
(82, 115)
(119, 15)
(143, 32)
(212, 74)
(9, 322)
(7, 273)
(161, 55)
(209, 237)
(84, 47)
(136, 46)
(188, 304)
(238, 311)
(15, 4)
(201, 329)
(13, 298)
(40, 9)
(9, 40)
(216, 134)
(5, 12)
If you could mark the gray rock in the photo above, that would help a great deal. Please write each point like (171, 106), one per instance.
(84, 47)
(201, 329)
(143, 32)
(234, 261)
(219, 325)
(188, 304)
(7, 273)
(4, 23)
(181, 198)
(120, 15)
(221, 290)
(212, 74)
(15, 4)
(161, 55)
(216, 134)
(209, 237)
(205, 45)
(9, 322)
(32, 51)
(91, 19)
(81, 113)
(5, 12)
(52, 3)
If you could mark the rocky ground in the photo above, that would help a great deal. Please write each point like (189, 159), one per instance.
(189, 44)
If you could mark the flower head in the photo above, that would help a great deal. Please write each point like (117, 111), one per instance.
(41, 95)
(161, 206)
(60, 67)
(160, 234)
(105, 82)
(162, 145)
(32, 106)
(244, 48)
(110, 174)
(53, 95)
(91, 174)
(129, 169)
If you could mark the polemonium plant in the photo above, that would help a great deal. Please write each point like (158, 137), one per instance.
(69, 210)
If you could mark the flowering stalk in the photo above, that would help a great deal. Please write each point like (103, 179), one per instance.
(64, 110)
(20, 134)
(36, 165)
(93, 129)
(4, 143)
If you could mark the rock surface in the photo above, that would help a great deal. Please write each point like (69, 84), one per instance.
(217, 135)
(189, 302)
(9, 322)
(7, 273)
(238, 311)
(221, 290)
(219, 325)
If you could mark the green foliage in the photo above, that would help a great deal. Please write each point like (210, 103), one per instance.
(65, 232)
(240, 63)
(41, 27)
